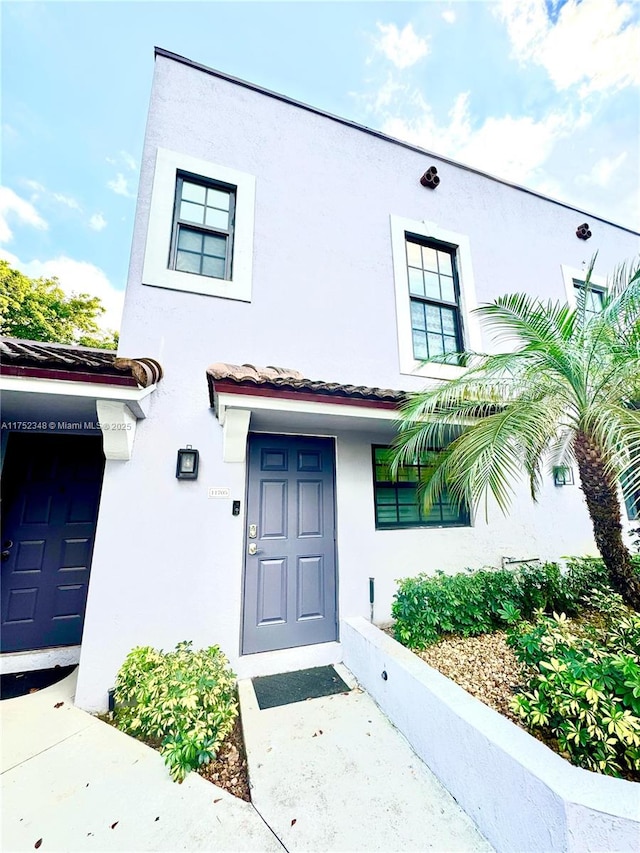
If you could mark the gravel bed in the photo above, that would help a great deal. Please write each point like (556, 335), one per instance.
(485, 666)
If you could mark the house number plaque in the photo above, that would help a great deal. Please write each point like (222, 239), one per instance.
(219, 492)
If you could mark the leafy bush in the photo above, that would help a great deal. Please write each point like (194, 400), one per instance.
(427, 607)
(181, 701)
(583, 684)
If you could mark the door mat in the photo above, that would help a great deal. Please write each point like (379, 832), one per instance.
(289, 687)
(20, 683)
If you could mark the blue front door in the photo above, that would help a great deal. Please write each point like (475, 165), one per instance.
(290, 562)
(50, 492)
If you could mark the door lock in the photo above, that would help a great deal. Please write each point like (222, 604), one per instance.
(253, 531)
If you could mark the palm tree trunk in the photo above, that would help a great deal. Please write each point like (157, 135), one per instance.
(601, 495)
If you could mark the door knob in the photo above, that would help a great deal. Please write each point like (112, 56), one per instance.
(8, 545)
(253, 548)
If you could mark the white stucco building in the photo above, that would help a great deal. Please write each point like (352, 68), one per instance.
(269, 233)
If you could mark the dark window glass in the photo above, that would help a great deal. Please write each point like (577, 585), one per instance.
(433, 288)
(631, 499)
(203, 228)
(593, 295)
(396, 498)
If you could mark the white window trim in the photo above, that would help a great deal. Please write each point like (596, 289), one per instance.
(599, 282)
(156, 271)
(471, 336)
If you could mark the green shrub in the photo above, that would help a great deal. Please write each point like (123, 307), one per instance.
(583, 684)
(181, 701)
(427, 607)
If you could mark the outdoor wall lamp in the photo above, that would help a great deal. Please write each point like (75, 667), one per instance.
(583, 231)
(563, 476)
(187, 466)
(430, 178)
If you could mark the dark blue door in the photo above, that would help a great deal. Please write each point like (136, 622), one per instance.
(50, 492)
(290, 564)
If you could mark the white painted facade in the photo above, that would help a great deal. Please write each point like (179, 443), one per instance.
(318, 286)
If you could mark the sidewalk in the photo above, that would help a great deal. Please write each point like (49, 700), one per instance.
(327, 775)
(80, 785)
(333, 774)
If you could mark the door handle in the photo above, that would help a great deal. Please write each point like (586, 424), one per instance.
(253, 549)
(6, 552)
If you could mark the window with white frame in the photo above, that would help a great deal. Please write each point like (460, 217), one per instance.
(201, 224)
(575, 288)
(593, 297)
(202, 241)
(435, 296)
(433, 290)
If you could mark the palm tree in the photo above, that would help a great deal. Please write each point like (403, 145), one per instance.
(566, 393)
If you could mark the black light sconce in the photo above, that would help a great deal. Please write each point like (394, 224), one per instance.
(430, 178)
(563, 476)
(583, 231)
(187, 466)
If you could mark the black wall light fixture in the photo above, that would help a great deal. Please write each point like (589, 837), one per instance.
(583, 232)
(187, 465)
(430, 178)
(563, 476)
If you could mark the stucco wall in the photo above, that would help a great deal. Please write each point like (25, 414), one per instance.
(168, 560)
(521, 795)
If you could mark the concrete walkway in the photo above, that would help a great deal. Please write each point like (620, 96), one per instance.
(327, 775)
(333, 774)
(80, 785)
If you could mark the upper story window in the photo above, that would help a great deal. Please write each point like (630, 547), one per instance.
(397, 502)
(433, 288)
(201, 225)
(203, 228)
(593, 295)
(435, 296)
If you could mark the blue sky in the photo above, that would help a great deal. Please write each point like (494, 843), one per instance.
(539, 92)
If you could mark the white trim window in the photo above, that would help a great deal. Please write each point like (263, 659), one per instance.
(574, 285)
(201, 223)
(435, 295)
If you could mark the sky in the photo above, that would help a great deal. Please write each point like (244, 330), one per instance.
(542, 93)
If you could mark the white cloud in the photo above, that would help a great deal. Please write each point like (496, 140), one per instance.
(401, 47)
(77, 277)
(35, 186)
(601, 173)
(67, 201)
(97, 222)
(120, 186)
(511, 148)
(39, 189)
(592, 42)
(11, 205)
(128, 160)
(449, 16)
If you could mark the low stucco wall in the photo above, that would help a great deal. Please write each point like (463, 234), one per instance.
(521, 795)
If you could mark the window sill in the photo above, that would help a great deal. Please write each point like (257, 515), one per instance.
(432, 371)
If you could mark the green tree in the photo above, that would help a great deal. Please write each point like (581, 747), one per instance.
(566, 393)
(39, 310)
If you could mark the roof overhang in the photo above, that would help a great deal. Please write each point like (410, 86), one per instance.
(60, 388)
(281, 400)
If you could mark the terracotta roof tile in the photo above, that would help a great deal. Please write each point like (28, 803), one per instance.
(285, 379)
(28, 358)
